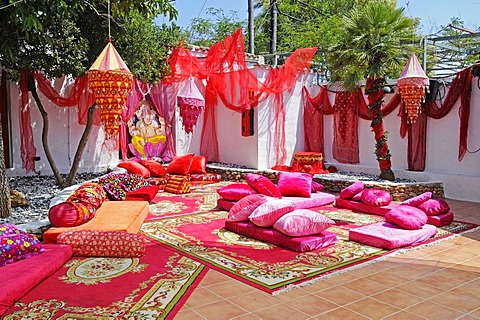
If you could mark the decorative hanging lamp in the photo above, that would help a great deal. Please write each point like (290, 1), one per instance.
(412, 85)
(191, 104)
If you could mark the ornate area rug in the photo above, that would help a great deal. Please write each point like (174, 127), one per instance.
(154, 286)
(270, 268)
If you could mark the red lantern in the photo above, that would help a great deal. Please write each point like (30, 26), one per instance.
(111, 81)
(412, 85)
(191, 104)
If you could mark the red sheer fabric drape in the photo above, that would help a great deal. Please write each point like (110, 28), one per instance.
(28, 152)
(345, 119)
(417, 143)
(313, 119)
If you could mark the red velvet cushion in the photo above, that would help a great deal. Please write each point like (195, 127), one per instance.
(433, 207)
(143, 194)
(134, 167)
(97, 243)
(302, 222)
(235, 191)
(199, 165)
(180, 165)
(376, 198)
(407, 217)
(418, 200)
(243, 208)
(70, 214)
(155, 168)
(263, 185)
(316, 187)
(295, 184)
(269, 212)
(352, 190)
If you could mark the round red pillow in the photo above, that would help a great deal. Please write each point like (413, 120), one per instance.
(376, 198)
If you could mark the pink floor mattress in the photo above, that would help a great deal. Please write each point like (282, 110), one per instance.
(388, 236)
(270, 235)
(362, 207)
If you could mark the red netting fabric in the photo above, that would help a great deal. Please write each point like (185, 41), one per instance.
(345, 140)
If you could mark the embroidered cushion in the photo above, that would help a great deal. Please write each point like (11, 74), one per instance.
(132, 182)
(241, 210)
(178, 185)
(376, 198)
(352, 190)
(113, 186)
(263, 185)
(18, 246)
(316, 187)
(418, 200)
(302, 222)
(70, 213)
(198, 165)
(295, 184)
(406, 217)
(97, 243)
(235, 191)
(266, 214)
(433, 207)
(90, 193)
(156, 169)
(180, 164)
(134, 167)
(9, 229)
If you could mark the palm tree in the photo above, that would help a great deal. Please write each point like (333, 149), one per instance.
(373, 46)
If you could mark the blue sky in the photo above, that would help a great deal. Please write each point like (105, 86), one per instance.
(433, 13)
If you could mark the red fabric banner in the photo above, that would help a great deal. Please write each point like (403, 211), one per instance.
(345, 134)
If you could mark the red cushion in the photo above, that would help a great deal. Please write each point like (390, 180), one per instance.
(235, 191)
(433, 207)
(199, 165)
(352, 190)
(178, 185)
(407, 217)
(134, 167)
(418, 200)
(224, 204)
(156, 169)
(263, 185)
(357, 197)
(441, 219)
(241, 210)
(295, 184)
(70, 214)
(376, 198)
(180, 164)
(143, 194)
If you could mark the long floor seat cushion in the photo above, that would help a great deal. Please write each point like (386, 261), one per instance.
(441, 219)
(270, 235)
(20, 277)
(364, 208)
(125, 216)
(388, 236)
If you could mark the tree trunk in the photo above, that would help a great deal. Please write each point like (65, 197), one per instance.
(5, 203)
(375, 93)
(81, 146)
(33, 89)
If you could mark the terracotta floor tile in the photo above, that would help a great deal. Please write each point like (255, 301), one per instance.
(397, 298)
(403, 315)
(476, 313)
(458, 274)
(254, 301)
(373, 308)
(340, 295)
(248, 316)
(318, 286)
(341, 314)
(406, 273)
(365, 286)
(230, 289)
(202, 296)
(281, 311)
(214, 277)
(290, 295)
(456, 301)
(188, 314)
(432, 310)
(312, 304)
(467, 317)
(220, 310)
(439, 282)
(470, 290)
(419, 289)
(386, 278)
(341, 278)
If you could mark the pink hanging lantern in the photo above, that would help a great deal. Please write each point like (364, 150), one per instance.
(412, 85)
(191, 104)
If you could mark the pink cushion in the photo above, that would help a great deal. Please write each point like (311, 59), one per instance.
(295, 184)
(317, 199)
(244, 207)
(362, 207)
(269, 212)
(352, 190)
(299, 244)
(134, 167)
(70, 214)
(388, 236)
(406, 217)
(357, 197)
(441, 219)
(316, 187)
(418, 200)
(433, 207)
(235, 191)
(263, 185)
(376, 198)
(225, 204)
(302, 222)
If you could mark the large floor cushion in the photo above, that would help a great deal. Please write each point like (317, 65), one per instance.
(143, 194)
(20, 277)
(388, 236)
(362, 207)
(317, 199)
(270, 235)
(441, 219)
(111, 216)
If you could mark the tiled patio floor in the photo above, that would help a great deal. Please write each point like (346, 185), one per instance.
(441, 281)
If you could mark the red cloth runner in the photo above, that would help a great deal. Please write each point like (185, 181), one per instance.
(345, 140)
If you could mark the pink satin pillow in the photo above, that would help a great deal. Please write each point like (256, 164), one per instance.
(407, 217)
(358, 196)
(434, 207)
(243, 208)
(269, 212)
(376, 198)
(302, 222)
(418, 200)
(295, 184)
(263, 185)
(316, 187)
(235, 191)
(352, 190)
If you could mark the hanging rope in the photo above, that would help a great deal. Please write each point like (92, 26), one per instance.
(108, 8)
